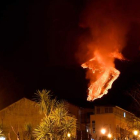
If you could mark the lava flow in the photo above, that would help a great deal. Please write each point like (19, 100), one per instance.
(105, 74)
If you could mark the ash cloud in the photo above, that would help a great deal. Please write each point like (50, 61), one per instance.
(106, 25)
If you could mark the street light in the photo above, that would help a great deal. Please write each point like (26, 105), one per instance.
(109, 135)
(2, 138)
(68, 135)
(135, 132)
(103, 131)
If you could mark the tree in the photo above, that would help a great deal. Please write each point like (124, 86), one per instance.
(28, 131)
(134, 93)
(57, 122)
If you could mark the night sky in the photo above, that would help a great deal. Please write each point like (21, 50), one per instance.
(39, 45)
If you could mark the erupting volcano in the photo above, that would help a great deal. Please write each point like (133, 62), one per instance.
(106, 75)
(105, 26)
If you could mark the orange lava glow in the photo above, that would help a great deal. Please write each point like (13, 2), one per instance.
(105, 74)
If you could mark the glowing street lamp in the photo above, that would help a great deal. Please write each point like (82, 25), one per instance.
(2, 138)
(109, 135)
(135, 132)
(68, 135)
(103, 131)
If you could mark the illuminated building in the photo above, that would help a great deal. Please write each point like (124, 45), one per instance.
(115, 121)
(24, 111)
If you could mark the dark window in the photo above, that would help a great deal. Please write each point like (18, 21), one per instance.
(110, 110)
(106, 110)
(89, 113)
(122, 131)
(93, 126)
(98, 110)
(117, 129)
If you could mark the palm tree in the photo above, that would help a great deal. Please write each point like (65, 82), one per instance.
(28, 131)
(64, 120)
(44, 101)
(45, 130)
(57, 122)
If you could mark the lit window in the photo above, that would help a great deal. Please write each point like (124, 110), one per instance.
(124, 114)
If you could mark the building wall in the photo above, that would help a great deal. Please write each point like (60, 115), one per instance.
(83, 120)
(119, 121)
(16, 116)
(106, 121)
(124, 122)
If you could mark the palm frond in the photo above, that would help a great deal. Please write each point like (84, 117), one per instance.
(57, 122)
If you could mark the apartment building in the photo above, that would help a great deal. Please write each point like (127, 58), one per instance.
(113, 122)
(83, 120)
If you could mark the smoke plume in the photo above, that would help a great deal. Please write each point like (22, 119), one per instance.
(107, 24)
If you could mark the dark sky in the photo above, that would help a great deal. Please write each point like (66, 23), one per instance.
(38, 47)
